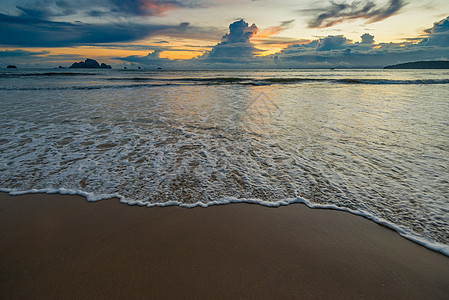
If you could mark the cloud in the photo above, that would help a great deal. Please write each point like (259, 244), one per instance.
(236, 44)
(34, 59)
(239, 32)
(102, 8)
(332, 43)
(331, 52)
(367, 39)
(48, 8)
(146, 7)
(440, 26)
(338, 51)
(30, 31)
(337, 13)
(152, 59)
(274, 30)
(438, 35)
(235, 50)
(20, 53)
(235, 47)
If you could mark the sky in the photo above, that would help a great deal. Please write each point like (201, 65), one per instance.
(223, 33)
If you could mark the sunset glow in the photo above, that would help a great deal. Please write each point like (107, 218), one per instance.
(141, 32)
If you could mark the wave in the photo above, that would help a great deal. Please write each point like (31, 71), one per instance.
(403, 231)
(295, 80)
(86, 87)
(157, 82)
(47, 74)
(275, 80)
(390, 81)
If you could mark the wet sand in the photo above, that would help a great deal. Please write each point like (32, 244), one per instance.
(55, 246)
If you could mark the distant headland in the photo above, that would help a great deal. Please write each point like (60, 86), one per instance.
(89, 64)
(442, 64)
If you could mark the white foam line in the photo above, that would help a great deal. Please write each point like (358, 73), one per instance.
(62, 191)
(435, 246)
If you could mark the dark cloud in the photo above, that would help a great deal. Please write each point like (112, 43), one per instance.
(338, 51)
(281, 41)
(152, 59)
(102, 8)
(48, 8)
(41, 12)
(35, 32)
(146, 7)
(438, 27)
(235, 50)
(287, 24)
(438, 35)
(367, 39)
(133, 47)
(332, 43)
(239, 32)
(331, 52)
(20, 53)
(339, 12)
(236, 44)
(34, 59)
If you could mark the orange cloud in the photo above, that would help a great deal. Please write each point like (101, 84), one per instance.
(276, 45)
(270, 31)
(180, 55)
(274, 30)
(157, 7)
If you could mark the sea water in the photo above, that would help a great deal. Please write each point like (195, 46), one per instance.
(372, 142)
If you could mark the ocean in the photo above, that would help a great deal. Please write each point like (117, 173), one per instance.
(371, 142)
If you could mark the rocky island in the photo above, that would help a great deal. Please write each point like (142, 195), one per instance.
(89, 64)
(441, 64)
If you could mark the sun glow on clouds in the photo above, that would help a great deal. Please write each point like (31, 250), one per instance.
(267, 41)
(67, 55)
(273, 48)
(274, 30)
(179, 49)
(95, 51)
(176, 30)
(180, 55)
(157, 7)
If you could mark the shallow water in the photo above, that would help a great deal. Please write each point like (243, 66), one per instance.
(374, 142)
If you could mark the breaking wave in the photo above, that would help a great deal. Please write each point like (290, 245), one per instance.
(153, 82)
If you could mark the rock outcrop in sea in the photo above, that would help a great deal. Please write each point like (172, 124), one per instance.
(89, 64)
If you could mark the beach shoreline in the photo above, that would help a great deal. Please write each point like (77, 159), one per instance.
(55, 246)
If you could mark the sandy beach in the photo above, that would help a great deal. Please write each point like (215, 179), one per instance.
(55, 247)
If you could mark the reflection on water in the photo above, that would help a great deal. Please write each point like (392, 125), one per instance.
(262, 113)
(380, 149)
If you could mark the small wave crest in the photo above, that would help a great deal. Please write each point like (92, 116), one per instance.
(87, 87)
(280, 81)
(142, 82)
(252, 81)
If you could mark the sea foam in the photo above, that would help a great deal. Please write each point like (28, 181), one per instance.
(376, 150)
